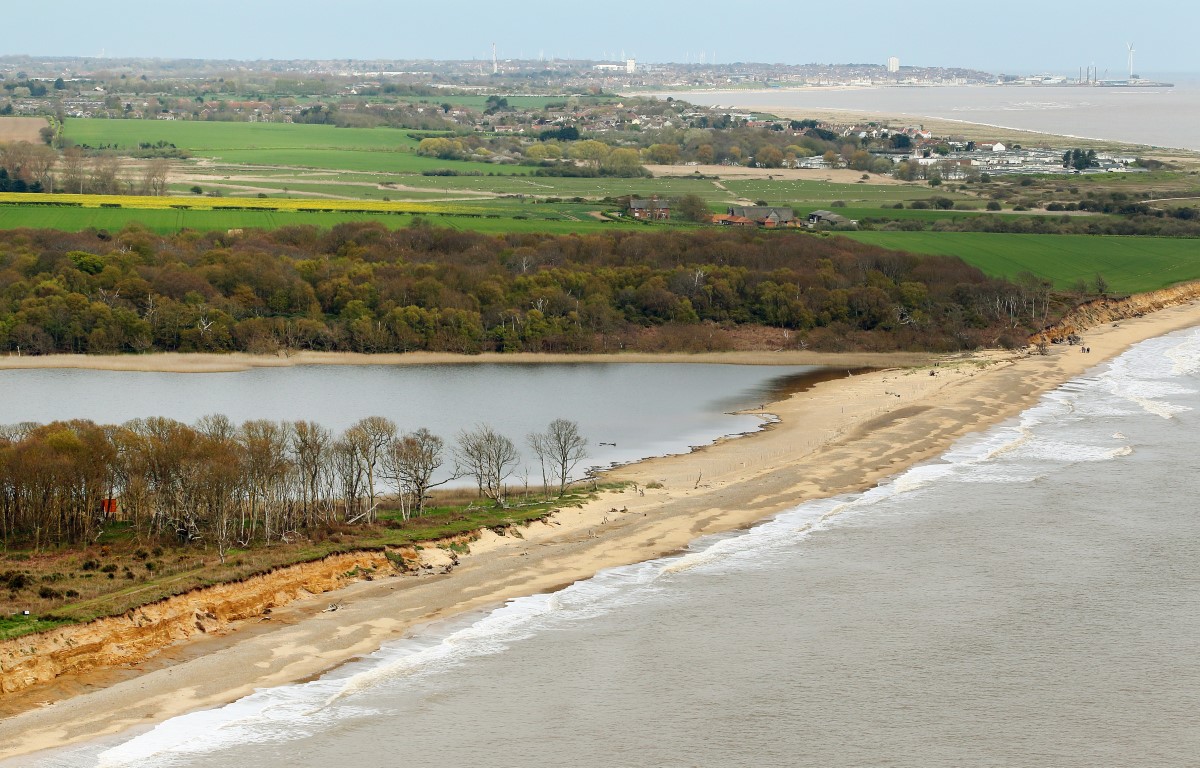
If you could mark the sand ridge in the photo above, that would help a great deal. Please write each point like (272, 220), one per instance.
(841, 436)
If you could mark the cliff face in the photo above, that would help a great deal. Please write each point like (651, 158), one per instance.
(1101, 311)
(138, 634)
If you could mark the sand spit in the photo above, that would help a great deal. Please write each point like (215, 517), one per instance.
(840, 436)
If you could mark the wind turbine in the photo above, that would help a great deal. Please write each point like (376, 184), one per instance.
(1131, 52)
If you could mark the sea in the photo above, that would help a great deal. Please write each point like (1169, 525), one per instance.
(1160, 117)
(1029, 598)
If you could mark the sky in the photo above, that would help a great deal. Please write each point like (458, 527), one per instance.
(1018, 36)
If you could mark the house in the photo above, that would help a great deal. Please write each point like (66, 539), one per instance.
(729, 220)
(817, 218)
(767, 216)
(652, 209)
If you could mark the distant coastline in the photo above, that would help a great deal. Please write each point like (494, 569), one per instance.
(1101, 108)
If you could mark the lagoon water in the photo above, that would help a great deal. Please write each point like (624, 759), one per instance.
(1166, 117)
(1031, 598)
(646, 410)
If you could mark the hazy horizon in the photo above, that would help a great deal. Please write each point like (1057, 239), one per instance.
(1019, 37)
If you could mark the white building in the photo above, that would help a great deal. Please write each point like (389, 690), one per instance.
(893, 65)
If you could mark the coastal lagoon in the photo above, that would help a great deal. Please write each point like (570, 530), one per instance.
(1030, 598)
(1165, 117)
(635, 410)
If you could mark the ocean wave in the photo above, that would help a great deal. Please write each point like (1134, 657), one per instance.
(1015, 452)
(1185, 356)
(1154, 371)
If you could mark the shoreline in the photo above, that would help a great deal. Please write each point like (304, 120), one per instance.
(840, 436)
(233, 362)
(941, 125)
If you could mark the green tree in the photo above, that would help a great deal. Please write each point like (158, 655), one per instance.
(768, 156)
(692, 208)
(590, 151)
(663, 154)
(623, 162)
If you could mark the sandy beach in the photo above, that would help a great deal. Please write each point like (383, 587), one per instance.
(841, 436)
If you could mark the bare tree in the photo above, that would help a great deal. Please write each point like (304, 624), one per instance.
(410, 464)
(348, 473)
(264, 446)
(106, 169)
(154, 177)
(13, 156)
(559, 450)
(311, 447)
(39, 161)
(487, 456)
(371, 437)
(74, 166)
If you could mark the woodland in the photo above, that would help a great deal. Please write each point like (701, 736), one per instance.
(360, 287)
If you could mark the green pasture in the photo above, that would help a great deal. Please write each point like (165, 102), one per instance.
(276, 187)
(531, 219)
(550, 186)
(1128, 264)
(365, 150)
(203, 137)
(357, 160)
(780, 191)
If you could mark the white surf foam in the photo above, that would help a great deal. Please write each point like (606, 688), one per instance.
(1012, 452)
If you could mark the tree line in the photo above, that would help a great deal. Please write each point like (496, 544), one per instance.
(219, 485)
(364, 288)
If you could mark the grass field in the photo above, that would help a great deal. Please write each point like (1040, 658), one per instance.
(1128, 264)
(779, 191)
(378, 150)
(166, 221)
(201, 136)
(373, 161)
